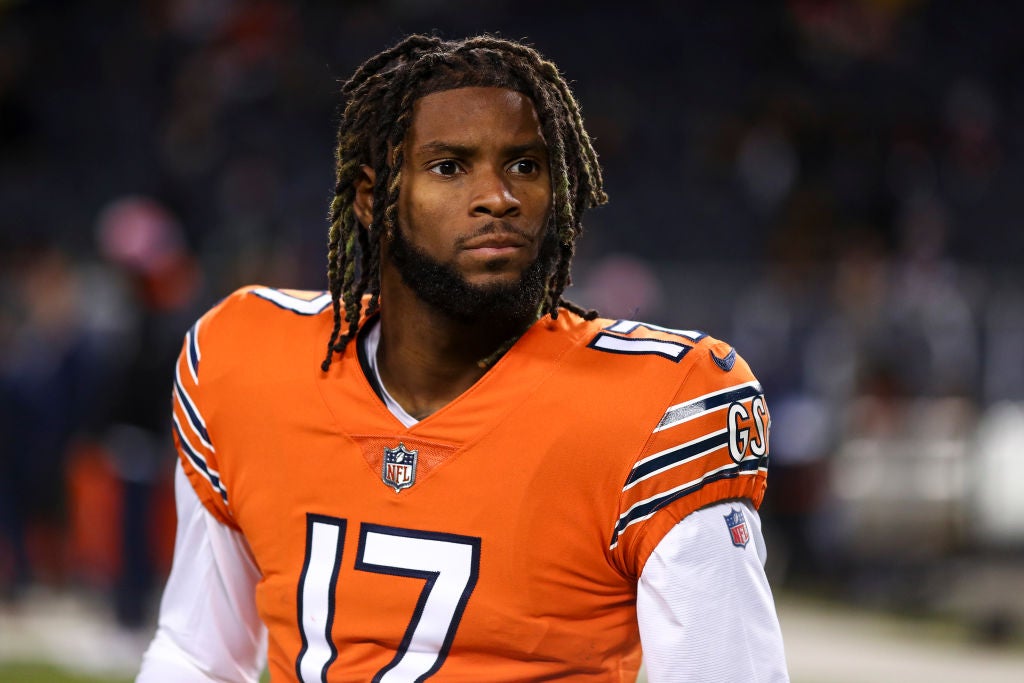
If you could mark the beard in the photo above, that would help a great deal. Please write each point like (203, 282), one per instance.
(445, 289)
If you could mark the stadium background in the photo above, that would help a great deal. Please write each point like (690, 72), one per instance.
(832, 186)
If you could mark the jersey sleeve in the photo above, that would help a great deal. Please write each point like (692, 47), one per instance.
(190, 413)
(709, 445)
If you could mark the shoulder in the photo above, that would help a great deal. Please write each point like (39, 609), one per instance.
(652, 377)
(694, 386)
(258, 308)
(691, 360)
(258, 301)
(255, 321)
(698, 416)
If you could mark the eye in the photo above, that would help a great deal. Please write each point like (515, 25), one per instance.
(524, 167)
(445, 168)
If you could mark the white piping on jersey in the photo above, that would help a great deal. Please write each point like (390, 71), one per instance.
(704, 437)
(188, 406)
(370, 345)
(689, 410)
(292, 303)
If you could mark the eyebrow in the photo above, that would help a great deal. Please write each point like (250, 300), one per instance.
(456, 150)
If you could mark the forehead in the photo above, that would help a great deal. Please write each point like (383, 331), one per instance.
(470, 113)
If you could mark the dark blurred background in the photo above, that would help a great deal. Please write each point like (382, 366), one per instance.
(834, 187)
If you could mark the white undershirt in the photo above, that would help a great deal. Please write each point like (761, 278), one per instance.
(704, 607)
(371, 342)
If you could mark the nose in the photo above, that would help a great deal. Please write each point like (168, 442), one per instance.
(492, 195)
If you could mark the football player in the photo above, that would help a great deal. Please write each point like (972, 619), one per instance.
(440, 469)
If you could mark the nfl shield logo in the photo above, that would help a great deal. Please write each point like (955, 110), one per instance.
(399, 470)
(737, 524)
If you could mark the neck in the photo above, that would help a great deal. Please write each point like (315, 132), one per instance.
(425, 358)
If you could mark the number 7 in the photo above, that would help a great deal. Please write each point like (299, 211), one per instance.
(449, 565)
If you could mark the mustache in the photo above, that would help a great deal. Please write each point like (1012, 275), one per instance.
(495, 227)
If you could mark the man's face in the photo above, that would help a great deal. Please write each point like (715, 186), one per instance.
(474, 203)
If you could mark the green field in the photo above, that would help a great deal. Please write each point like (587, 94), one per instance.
(40, 673)
(11, 672)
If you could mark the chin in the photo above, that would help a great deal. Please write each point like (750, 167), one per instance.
(489, 280)
(500, 289)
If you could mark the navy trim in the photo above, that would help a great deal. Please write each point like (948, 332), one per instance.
(193, 417)
(364, 361)
(678, 455)
(694, 407)
(654, 505)
(199, 463)
(193, 351)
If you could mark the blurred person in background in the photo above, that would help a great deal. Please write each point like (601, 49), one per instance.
(142, 239)
(479, 478)
(45, 381)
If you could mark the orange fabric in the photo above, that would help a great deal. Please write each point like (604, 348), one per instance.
(533, 461)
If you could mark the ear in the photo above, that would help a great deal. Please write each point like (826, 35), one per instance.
(363, 203)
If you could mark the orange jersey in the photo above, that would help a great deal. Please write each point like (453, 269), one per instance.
(499, 539)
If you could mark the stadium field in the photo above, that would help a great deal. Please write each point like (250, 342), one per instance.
(43, 673)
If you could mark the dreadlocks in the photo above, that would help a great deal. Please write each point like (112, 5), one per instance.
(380, 97)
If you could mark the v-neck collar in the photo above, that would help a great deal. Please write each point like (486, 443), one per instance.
(356, 399)
(369, 342)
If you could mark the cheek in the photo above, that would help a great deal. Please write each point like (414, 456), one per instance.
(423, 215)
(537, 199)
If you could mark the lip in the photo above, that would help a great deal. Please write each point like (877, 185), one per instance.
(496, 243)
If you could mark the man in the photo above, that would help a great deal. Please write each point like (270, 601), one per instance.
(480, 481)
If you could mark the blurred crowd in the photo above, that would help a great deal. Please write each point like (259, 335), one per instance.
(831, 186)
